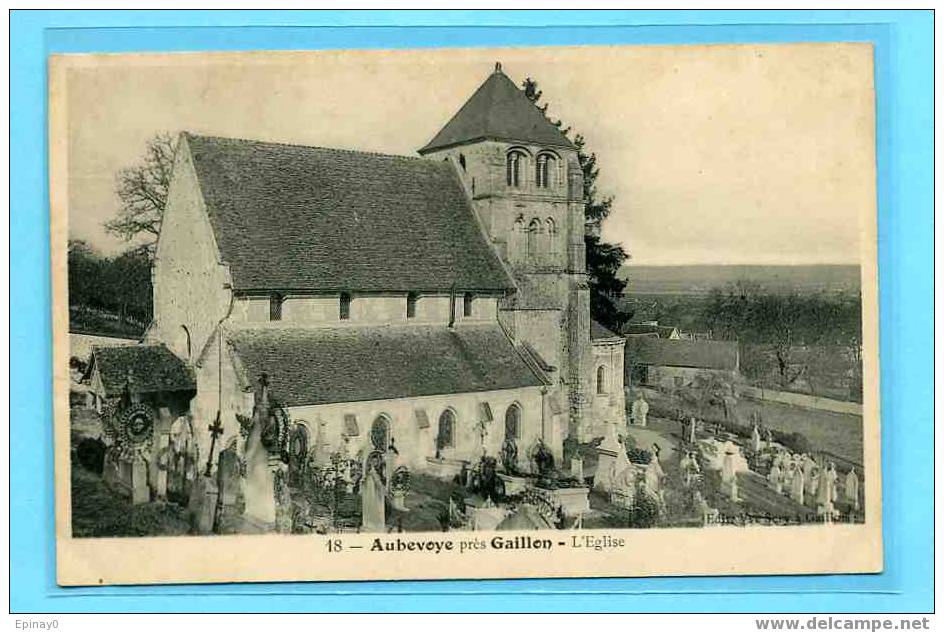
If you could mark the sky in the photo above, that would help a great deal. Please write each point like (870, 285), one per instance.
(748, 154)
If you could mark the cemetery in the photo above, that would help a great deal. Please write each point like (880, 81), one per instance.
(654, 470)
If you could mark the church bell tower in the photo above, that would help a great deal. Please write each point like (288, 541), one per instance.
(525, 185)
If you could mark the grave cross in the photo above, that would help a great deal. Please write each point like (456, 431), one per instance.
(483, 427)
(216, 429)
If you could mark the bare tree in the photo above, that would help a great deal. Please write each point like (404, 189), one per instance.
(142, 190)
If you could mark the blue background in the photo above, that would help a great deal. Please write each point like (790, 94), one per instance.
(904, 81)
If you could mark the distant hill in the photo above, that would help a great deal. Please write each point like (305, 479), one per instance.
(701, 279)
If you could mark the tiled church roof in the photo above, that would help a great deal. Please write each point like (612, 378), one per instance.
(290, 217)
(153, 368)
(352, 364)
(498, 110)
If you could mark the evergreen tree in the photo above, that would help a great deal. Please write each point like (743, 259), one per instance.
(604, 260)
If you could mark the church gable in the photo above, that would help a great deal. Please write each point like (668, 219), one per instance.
(301, 218)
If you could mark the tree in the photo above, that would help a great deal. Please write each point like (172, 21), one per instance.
(85, 267)
(604, 260)
(796, 328)
(142, 190)
(128, 280)
(100, 286)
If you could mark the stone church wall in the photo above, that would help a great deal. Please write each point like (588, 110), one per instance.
(366, 309)
(190, 283)
(416, 444)
(210, 397)
(610, 405)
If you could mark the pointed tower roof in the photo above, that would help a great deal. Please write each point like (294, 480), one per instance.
(498, 110)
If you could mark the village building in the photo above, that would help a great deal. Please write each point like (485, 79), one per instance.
(651, 328)
(328, 300)
(670, 363)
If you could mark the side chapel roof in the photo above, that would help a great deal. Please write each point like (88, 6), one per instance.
(498, 110)
(599, 332)
(152, 368)
(353, 364)
(292, 217)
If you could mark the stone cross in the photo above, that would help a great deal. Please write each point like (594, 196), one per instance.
(216, 429)
(482, 427)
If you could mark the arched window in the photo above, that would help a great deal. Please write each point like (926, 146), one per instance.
(546, 170)
(300, 440)
(551, 227)
(411, 305)
(467, 304)
(534, 234)
(380, 433)
(513, 422)
(515, 162)
(462, 161)
(344, 306)
(518, 232)
(185, 341)
(601, 379)
(275, 307)
(446, 435)
(297, 453)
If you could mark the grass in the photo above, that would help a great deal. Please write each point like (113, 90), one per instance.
(97, 510)
(836, 433)
(88, 322)
(427, 501)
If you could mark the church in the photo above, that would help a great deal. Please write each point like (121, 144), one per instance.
(437, 303)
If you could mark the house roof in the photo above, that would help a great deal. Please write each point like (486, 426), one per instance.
(352, 364)
(152, 368)
(648, 350)
(647, 329)
(290, 217)
(599, 332)
(498, 110)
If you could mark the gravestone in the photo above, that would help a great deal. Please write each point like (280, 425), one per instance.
(140, 492)
(576, 468)
(639, 411)
(229, 476)
(202, 508)
(372, 500)
(609, 453)
(163, 464)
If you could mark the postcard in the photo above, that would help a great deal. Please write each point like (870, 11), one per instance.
(465, 313)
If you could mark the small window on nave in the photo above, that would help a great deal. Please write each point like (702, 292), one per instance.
(344, 306)
(467, 300)
(513, 422)
(446, 435)
(275, 307)
(411, 305)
